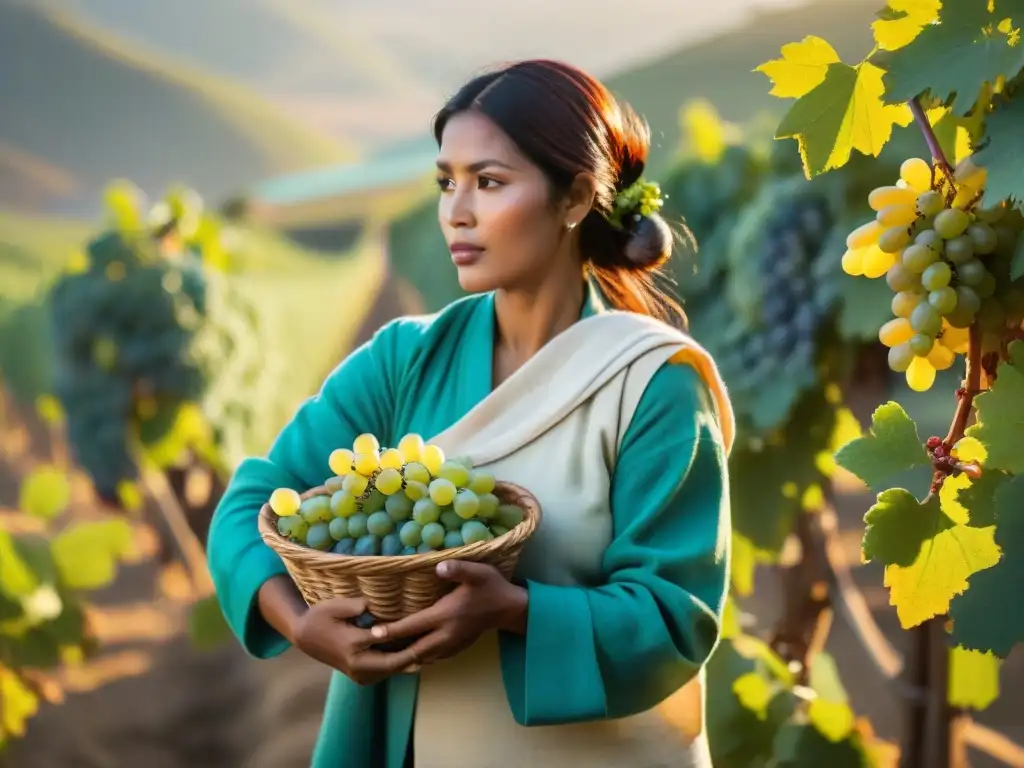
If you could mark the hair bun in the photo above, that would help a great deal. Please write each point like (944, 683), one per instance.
(649, 244)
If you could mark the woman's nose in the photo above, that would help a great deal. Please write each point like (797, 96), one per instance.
(461, 211)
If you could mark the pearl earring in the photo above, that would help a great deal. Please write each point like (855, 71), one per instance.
(571, 225)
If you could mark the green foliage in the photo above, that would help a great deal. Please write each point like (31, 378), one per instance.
(891, 445)
(957, 551)
(759, 716)
(955, 65)
(981, 618)
(1000, 417)
(44, 492)
(44, 582)
(1002, 157)
(973, 678)
(952, 60)
(898, 525)
(157, 353)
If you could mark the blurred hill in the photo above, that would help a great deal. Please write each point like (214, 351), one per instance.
(221, 94)
(80, 106)
(374, 71)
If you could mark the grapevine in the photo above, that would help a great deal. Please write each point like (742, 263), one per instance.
(153, 347)
(48, 574)
(946, 235)
(156, 358)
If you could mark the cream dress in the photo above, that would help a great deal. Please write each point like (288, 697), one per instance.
(555, 427)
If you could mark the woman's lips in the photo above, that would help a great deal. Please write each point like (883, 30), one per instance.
(465, 254)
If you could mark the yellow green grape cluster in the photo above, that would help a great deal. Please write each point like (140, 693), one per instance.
(397, 501)
(947, 260)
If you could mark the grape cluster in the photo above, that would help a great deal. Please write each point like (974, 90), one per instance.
(399, 501)
(787, 239)
(947, 260)
(123, 319)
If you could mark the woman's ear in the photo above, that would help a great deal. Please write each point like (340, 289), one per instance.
(580, 199)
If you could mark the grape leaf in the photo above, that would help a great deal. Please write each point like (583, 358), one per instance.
(754, 692)
(801, 69)
(742, 565)
(830, 710)
(1000, 418)
(86, 553)
(833, 719)
(736, 734)
(1002, 153)
(804, 746)
(44, 492)
(769, 476)
(892, 445)
(898, 525)
(967, 48)
(207, 628)
(903, 22)
(979, 497)
(845, 112)
(17, 704)
(981, 618)
(973, 678)
(924, 589)
(16, 578)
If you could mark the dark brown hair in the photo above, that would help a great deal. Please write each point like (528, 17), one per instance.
(567, 123)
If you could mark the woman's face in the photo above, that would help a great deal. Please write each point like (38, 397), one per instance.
(495, 209)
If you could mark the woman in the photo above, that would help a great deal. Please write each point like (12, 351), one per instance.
(617, 422)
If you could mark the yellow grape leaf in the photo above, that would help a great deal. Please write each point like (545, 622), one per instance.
(845, 112)
(45, 492)
(742, 565)
(949, 498)
(825, 680)
(833, 719)
(801, 69)
(16, 578)
(730, 619)
(813, 498)
(754, 693)
(973, 678)
(970, 449)
(924, 590)
(705, 134)
(906, 20)
(17, 704)
(86, 553)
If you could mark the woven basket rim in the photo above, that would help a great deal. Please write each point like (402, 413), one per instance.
(383, 564)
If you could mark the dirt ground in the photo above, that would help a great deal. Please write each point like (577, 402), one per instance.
(151, 700)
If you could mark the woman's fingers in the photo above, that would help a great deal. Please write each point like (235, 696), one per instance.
(342, 607)
(414, 625)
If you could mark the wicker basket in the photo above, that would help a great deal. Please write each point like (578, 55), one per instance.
(399, 585)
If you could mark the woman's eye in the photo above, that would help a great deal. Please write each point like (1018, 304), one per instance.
(484, 182)
(444, 184)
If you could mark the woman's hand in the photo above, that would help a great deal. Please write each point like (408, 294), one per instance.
(324, 632)
(483, 600)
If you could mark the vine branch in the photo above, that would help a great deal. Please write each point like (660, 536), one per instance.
(929, 136)
(966, 394)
